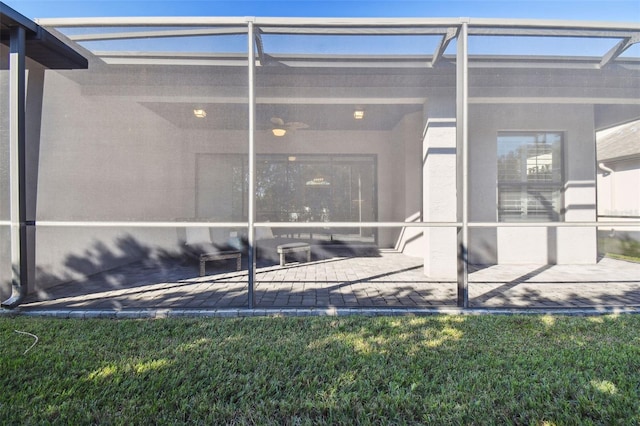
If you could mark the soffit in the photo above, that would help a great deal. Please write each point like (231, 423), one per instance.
(40, 45)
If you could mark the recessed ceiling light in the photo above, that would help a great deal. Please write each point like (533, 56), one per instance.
(358, 114)
(279, 132)
(292, 158)
(200, 113)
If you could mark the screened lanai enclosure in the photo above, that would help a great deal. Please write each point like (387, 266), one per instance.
(291, 162)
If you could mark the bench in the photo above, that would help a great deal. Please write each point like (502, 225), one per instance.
(284, 249)
(221, 255)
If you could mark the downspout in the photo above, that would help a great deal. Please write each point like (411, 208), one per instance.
(607, 171)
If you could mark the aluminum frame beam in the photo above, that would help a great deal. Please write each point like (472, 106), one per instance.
(260, 47)
(251, 202)
(132, 35)
(618, 49)
(629, 33)
(462, 145)
(444, 43)
(495, 25)
(125, 224)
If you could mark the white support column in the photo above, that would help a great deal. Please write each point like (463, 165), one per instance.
(17, 176)
(252, 168)
(462, 142)
(439, 188)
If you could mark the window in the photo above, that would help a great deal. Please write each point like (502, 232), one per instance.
(530, 179)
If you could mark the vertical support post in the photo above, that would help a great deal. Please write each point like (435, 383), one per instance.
(252, 167)
(462, 142)
(17, 162)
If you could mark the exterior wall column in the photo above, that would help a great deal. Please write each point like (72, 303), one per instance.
(445, 175)
(17, 172)
(439, 188)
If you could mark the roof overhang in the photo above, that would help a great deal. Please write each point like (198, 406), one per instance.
(41, 46)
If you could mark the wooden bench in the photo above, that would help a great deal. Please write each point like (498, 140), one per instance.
(284, 249)
(221, 255)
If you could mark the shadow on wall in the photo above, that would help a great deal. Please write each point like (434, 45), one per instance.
(181, 262)
(100, 259)
(483, 246)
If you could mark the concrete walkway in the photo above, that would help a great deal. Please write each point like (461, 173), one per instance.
(390, 280)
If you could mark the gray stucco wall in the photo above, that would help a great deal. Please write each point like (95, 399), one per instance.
(533, 245)
(105, 156)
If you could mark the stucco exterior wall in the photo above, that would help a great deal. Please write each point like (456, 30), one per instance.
(406, 139)
(439, 179)
(106, 157)
(507, 245)
(533, 245)
(102, 158)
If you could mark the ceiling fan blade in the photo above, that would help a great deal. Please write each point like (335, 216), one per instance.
(297, 125)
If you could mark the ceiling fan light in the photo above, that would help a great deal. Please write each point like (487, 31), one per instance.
(358, 114)
(279, 132)
(200, 113)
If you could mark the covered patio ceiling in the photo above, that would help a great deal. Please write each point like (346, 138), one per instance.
(228, 116)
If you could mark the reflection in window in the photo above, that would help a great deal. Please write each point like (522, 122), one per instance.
(315, 188)
(529, 176)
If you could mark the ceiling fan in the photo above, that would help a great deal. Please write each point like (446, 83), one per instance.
(281, 127)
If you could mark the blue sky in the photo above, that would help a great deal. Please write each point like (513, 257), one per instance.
(601, 10)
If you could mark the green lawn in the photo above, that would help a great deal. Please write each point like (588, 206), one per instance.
(346, 370)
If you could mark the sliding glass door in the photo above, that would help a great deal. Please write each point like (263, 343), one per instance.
(301, 188)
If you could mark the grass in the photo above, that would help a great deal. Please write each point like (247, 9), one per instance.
(624, 257)
(346, 370)
(622, 247)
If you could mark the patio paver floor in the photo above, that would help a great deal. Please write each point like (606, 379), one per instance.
(391, 280)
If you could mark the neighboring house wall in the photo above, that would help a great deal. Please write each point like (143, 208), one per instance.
(619, 191)
(619, 187)
(619, 201)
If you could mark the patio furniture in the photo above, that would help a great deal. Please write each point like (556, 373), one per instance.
(284, 249)
(221, 255)
(199, 244)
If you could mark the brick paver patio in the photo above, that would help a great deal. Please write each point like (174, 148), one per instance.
(390, 280)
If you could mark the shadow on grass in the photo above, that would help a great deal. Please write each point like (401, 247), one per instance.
(385, 370)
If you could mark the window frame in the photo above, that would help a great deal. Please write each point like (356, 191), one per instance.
(556, 211)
